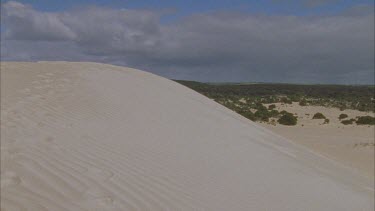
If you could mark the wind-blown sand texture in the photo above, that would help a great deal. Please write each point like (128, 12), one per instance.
(87, 136)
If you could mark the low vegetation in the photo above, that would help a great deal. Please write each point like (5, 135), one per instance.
(303, 102)
(287, 119)
(365, 120)
(318, 116)
(249, 99)
(272, 106)
(343, 116)
(339, 96)
(348, 121)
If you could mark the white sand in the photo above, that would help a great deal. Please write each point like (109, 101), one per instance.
(86, 136)
(351, 145)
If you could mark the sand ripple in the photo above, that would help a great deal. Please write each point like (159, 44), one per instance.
(86, 136)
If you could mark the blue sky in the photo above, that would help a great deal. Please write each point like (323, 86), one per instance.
(292, 7)
(295, 41)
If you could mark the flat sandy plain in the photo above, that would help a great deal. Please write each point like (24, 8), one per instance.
(350, 145)
(88, 136)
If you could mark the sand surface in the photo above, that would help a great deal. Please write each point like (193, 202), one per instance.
(351, 145)
(87, 136)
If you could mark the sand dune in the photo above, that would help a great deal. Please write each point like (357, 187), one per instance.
(87, 136)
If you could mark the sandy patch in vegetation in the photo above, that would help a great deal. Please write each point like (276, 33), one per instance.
(351, 145)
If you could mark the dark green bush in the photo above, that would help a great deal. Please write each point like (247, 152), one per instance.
(303, 103)
(287, 119)
(271, 107)
(326, 121)
(260, 106)
(286, 100)
(342, 108)
(262, 115)
(295, 98)
(348, 121)
(247, 113)
(365, 120)
(343, 116)
(319, 116)
(283, 112)
(273, 113)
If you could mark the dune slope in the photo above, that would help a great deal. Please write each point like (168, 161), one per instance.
(87, 136)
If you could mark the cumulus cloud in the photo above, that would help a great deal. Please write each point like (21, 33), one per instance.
(218, 46)
(27, 24)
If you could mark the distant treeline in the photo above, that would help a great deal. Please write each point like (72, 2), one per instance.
(340, 96)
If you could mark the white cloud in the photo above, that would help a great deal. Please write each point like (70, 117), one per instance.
(24, 23)
(209, 46)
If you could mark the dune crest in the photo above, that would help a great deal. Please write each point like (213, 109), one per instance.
(89, 136)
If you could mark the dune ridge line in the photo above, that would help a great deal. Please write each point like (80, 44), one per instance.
(90, 136)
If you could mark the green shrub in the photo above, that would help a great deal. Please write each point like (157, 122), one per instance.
(319, 116)
(264, 119)
(283, 112)
(303, 103)
(287, 119)
(361, 107)
(262, 115)
(271, 107)
(286, 100)
(247, 113)
(326, 121)
(273, 113)
(260, 106)
(343, 116)
(295, 98)
(348, 121)
(365, 120)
